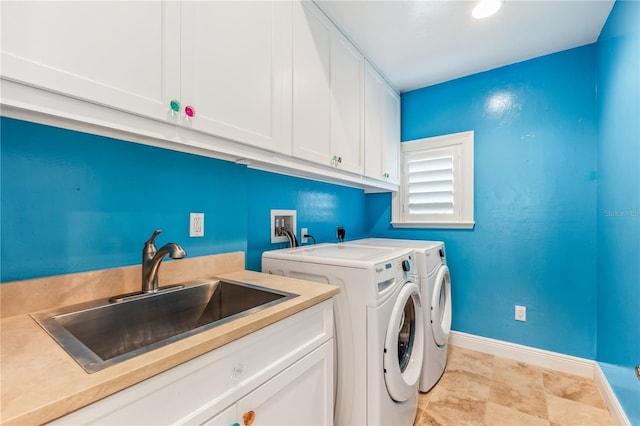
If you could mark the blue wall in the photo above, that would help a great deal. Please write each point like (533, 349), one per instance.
(534, 242)
(619, 203)
(320, 208)
(74, 202)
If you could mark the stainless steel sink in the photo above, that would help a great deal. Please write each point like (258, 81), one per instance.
(100, 334)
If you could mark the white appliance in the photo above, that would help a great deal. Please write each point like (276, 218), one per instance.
(379, 326)
(435, 288)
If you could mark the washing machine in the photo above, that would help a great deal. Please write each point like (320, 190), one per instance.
(434, 281)
(378, 326)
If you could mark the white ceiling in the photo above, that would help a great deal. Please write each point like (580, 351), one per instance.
(420, 43)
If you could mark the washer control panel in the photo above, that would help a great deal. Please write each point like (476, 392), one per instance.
(394, 271)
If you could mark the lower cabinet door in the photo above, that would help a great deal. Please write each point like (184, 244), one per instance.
(227, 417)
(300, 395)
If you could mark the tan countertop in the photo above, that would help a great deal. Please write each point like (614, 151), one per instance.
(41, 382)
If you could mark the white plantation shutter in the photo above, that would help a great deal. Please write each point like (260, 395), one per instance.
(436, 184)
(431, 185)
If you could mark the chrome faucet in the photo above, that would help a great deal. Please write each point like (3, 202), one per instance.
(151, 259)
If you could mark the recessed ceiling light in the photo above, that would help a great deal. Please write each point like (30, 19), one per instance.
(486, 8)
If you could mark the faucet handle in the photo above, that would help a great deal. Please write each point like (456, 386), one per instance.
(149, 246)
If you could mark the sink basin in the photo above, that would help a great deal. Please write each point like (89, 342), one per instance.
(100, 334)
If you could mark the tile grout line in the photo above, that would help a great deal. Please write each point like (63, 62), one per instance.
(581, 367)
(470, 366)
(539, 357)
(493, 358)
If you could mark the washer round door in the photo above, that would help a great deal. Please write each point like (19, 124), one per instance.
(404, 344)
(441, 307)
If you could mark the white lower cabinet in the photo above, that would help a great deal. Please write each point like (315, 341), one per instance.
(281, 374)
(226, 417)
(300, 395)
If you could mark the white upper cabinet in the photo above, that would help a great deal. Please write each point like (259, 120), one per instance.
(224, 65)
(373, 95)
(391, 134)
(328, 90)
(235, 62)
(125, 55)
(311, 84)
(347, 109)
(382, 128)
(273, 83)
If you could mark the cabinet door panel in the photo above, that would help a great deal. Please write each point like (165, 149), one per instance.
(373, 124)
(300, 395)
(119, 54)
(391, 134)
(382, 128)
(347, 104)
(234, 70)
(311, 84)
(226, 418)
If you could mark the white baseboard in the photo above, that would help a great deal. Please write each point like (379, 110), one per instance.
(552, 360)
(615, 409)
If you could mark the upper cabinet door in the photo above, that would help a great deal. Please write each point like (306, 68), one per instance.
(311, 84)
(120, 54)
(391, 134)
(235, 77)
(373, 94)
(347, 109)
(327, 92)
(382, 128)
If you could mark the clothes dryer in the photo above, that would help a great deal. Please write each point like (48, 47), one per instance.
(434, 281)
(379, 326)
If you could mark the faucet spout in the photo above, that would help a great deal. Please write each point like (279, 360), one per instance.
(152, 258)
(173, 250)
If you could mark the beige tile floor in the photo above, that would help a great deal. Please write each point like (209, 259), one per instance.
(482, 389)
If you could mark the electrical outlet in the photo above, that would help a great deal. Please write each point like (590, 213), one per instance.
(196, 224)
(521, 313)
(303, 232)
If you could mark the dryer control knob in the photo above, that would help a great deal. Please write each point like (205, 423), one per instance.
(406, 266)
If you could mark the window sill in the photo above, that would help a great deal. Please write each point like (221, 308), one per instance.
(435, 225)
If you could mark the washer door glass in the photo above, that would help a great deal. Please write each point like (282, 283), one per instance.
(404, 344)
(441, 307)
(406, 335)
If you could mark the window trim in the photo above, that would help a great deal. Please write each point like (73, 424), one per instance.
(464, 189)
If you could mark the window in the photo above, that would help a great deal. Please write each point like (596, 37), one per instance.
(436, 185)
